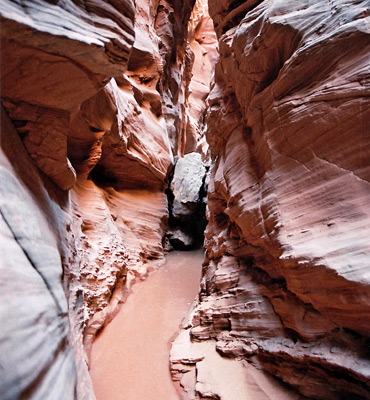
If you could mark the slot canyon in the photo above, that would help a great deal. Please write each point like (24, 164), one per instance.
(185, 200)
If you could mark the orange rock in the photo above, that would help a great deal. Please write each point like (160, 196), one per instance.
(97, 93)
(289, 194)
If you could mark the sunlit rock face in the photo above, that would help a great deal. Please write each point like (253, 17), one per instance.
(286, 279)
(203, 42)
(95, 101)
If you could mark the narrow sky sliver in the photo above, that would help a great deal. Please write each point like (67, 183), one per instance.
(130, 358)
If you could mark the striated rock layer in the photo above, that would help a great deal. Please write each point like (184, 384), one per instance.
(99, 97)
(37, 360)
(286, 281)
(95, 108)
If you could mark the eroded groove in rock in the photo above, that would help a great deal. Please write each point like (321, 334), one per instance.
(34, 311)
(286, 280)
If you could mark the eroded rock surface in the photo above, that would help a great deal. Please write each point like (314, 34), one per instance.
(53, 58)
(35, 340)
(203, 42)
(286, 281)
(103, 96)
(97, 93)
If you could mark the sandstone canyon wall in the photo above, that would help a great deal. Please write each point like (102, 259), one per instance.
(286, 281)
(94, 110)
(100, 97)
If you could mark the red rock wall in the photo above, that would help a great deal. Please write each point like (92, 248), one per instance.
(103, 95)
(97, 95)
(286, 279)
(54, 57)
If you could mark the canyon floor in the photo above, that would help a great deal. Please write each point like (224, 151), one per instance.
(130, 357)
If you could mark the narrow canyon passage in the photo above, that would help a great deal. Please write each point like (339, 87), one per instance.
(130, 357)
(129, 128)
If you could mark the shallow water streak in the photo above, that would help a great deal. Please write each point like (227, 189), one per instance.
(130, 357)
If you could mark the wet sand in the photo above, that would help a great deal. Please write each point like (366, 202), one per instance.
(130, 358)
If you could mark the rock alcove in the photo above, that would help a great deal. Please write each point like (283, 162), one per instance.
(102, 104)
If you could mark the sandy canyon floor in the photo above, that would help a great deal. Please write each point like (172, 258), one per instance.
(130, 357)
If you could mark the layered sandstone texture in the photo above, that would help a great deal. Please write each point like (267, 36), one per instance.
(95, 107)
(286, 283)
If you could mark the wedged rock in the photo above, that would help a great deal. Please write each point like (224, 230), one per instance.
(186, 184)
(187, 214)
(187, 202)
(180, 239)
